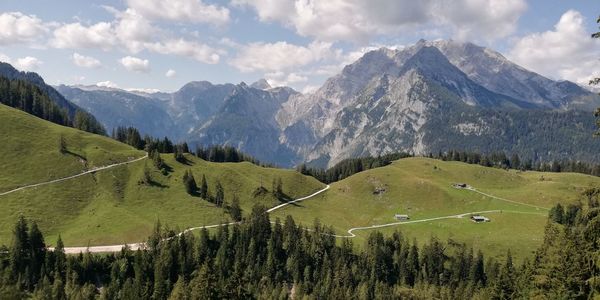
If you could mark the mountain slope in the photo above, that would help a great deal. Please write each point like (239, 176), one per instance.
(246, 121)
(496, 73)
(422, 188)
(110, 206)
(429, 97)
(120, 108)
(78, 117)
(414, 100)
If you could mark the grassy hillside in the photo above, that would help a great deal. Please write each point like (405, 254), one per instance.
(30, 150)
(110, 207)
(422, 188)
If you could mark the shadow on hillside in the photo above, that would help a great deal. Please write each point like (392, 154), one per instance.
(186, 162)
(76, 155)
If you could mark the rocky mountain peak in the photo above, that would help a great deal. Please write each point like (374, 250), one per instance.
(261, 84)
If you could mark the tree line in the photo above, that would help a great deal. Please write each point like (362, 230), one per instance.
(501, 160)
(260, 259)
(215, 153)
(25, 96)
(350, 166)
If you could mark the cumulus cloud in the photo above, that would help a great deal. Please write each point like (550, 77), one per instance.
(193, 11)
(76, 36)
(4, 58)
(135, 64)
(107, 84)
(358, 21)
(18, 28)
(181, 47)
(566, 52)
(28, 63)
(272, 57)
(131, 32)
(170, 73)
(282, 79)
(85, 61)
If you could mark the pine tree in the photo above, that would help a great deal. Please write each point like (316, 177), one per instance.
(235, 210)
(20, 249)
(189, 182)
(178, 154)
(477, 272)
(203, 285)
(219, 194)
(62, 145)
(557, 214)
(204, 188)
(146, 176)
(37, 252)
(180, 290)
(505, 284)
(60, 259)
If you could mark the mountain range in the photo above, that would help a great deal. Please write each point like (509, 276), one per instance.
(429, 97)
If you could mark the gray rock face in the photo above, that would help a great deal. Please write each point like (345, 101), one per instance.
(113, 108)
(387, 100)
(432, 96)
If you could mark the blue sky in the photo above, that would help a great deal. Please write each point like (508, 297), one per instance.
(137, 43)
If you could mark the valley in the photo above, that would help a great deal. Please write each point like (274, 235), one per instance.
(99, 206)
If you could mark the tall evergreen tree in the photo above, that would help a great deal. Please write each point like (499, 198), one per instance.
(219, 194)
(204, 188)
(235, 210)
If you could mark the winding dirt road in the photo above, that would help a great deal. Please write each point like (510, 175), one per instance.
(136, 246)
(93, 170)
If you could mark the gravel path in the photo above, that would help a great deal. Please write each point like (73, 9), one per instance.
(94, 170)
(136, 246)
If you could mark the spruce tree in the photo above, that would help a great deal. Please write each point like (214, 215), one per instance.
(62, 144)
(189, 182)
(204, 188)
(219, 194)
(235, 210)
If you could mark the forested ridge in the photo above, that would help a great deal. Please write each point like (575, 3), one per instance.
(258, 259)
(30, 98)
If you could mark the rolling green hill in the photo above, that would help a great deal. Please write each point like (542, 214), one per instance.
(110, 206)
(422, 188)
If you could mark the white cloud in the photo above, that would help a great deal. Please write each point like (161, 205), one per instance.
(107, 84)
(358, 20)
(28, 63)
(4, 58)
(75, 36)
(133, 30)
(171, 73)
(143, 90)
(181, 47)
(133, 33)
(135, 64)
(194, 11)
(480, 19)
(18, 28)
(566, 52)
(282, 79)
(278, 56)
(310, 89)
(85, 61)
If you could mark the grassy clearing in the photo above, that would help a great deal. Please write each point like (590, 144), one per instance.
(110, 207)
(422, 188)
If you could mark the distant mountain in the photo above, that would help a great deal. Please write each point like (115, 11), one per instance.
(418, 99)
(200, 113)
(115, 108)
(8, 71)
(76, 117)
(429, 97)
